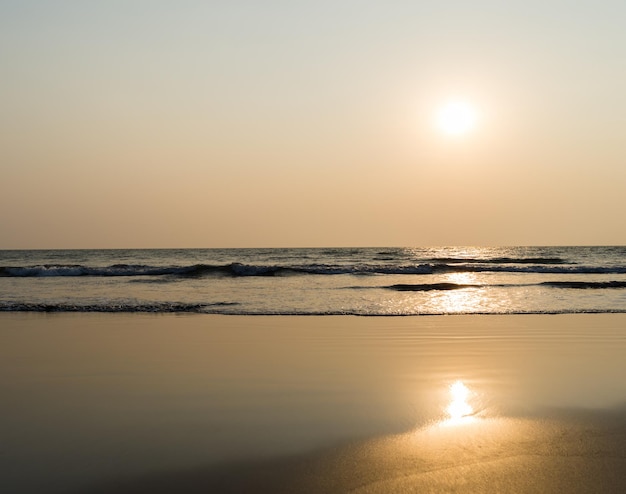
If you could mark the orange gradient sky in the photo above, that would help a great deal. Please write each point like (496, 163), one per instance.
(244, 124)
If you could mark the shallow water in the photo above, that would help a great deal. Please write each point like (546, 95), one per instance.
(363, 281)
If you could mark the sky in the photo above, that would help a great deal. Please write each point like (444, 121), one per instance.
(146, 123)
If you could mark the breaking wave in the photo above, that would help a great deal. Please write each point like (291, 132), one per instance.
(239, 269)
(111, 307)
(227, 308)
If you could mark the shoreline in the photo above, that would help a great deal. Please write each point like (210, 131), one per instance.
(54, 309)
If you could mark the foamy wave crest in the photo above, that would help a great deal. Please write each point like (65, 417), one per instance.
(112, 306)
(232, 269)
(227, 308)
(239, 269)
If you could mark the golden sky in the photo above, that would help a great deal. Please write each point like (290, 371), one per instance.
(286, 123)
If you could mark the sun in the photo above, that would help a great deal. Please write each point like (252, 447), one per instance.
(456, 118)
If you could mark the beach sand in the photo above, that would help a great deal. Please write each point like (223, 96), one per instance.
(95, 403)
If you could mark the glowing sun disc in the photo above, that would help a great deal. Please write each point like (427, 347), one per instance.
(456, 117)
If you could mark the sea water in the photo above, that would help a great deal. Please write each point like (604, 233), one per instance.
(331, 281)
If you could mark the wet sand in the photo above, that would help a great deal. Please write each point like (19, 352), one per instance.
(140, 403)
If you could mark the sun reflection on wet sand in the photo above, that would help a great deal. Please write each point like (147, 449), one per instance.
(459, 410)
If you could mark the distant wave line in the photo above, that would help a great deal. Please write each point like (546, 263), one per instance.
(501, 260)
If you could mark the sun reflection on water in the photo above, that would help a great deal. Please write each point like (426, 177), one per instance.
(469, 298)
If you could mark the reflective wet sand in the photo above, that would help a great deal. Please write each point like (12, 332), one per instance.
(139, 403)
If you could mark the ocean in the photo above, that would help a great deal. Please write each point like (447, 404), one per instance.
(320, 281)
